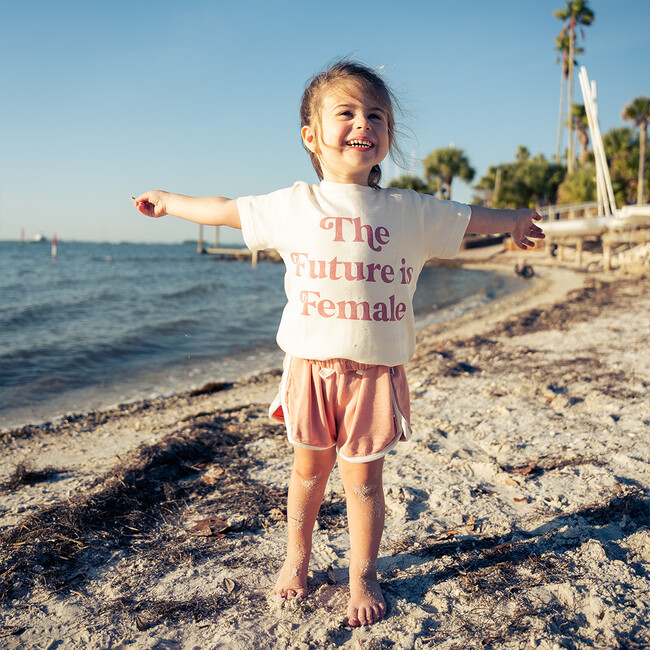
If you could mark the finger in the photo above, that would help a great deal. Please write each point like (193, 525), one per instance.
(146, 208)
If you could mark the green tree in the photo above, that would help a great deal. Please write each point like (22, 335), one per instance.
(528, 181)
(622, 149)
(412, 182)
(563, 46)
(619, 143)
(638, 111)
(522, 154)
(443, 165)
(575, 12)
(578, 187)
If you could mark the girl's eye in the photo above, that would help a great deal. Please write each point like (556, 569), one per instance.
(347, 113)
(375, 116)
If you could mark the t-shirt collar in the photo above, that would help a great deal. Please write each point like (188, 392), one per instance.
(350, 188)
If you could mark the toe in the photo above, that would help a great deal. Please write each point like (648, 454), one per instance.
(353, 617)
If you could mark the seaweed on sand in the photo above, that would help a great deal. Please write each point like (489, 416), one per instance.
(134, 507)
(550, 462)
(24, 475)
(497, 582)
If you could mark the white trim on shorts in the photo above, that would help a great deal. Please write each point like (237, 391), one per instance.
(403, 428)
(281, 400)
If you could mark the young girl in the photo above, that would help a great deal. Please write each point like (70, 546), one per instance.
(353, 252)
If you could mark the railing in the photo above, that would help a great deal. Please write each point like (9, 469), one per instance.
(591, 209)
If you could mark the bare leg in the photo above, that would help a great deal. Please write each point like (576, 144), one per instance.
(364, 492)
(311, 469)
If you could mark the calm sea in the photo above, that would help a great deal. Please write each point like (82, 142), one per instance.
(109, 323)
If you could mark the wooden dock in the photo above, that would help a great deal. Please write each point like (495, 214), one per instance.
(585, 225)
(239, 254)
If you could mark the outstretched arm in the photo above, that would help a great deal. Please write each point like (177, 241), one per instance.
(208, 210)
(519, 223)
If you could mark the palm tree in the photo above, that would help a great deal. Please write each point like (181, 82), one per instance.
(619, 143)
(576, 12)
(528, 181)
(523, 154)
(443, 165)
(622, 149)
(562, 46)
(638, 111)
(412, 182)
(582, 127)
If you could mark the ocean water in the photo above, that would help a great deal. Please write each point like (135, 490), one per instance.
(109, 323)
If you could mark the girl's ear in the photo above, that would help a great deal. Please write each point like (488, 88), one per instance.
(309, 138)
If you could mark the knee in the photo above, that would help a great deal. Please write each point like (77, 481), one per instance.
(313, 468)
(365, 490)
(308, 477)
(362, 480)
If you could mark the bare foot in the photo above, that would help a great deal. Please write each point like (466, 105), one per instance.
(292, 581)
(367, 605)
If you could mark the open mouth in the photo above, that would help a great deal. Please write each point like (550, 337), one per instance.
(360, 144)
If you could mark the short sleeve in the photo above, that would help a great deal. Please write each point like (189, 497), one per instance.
(265, 218)
(256, 213)
(444, 224)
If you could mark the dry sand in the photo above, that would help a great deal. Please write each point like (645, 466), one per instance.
(517, 517)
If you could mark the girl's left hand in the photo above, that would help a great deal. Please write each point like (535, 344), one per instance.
(525, 229)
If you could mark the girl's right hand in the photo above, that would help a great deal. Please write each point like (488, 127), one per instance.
(152, 204)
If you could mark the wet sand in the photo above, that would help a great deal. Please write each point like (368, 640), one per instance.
(517, 516)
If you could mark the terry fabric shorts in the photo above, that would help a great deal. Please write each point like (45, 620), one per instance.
(361, 409)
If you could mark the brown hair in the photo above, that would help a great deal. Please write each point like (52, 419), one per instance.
(367, 81)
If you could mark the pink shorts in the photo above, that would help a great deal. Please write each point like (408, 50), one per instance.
(361, 409)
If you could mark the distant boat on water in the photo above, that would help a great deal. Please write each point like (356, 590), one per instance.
(39, 238)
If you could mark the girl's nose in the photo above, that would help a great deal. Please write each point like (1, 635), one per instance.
(362, 123)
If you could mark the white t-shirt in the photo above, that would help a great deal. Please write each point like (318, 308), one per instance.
(353, 255)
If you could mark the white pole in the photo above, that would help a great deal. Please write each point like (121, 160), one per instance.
(592, 117)
(599, 150)
(600, 187)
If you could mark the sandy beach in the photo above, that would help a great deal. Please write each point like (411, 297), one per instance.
(517, 516)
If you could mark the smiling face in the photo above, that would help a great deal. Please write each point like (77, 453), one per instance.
(351, 136)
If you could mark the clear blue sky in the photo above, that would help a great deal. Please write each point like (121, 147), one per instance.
(103, 100)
